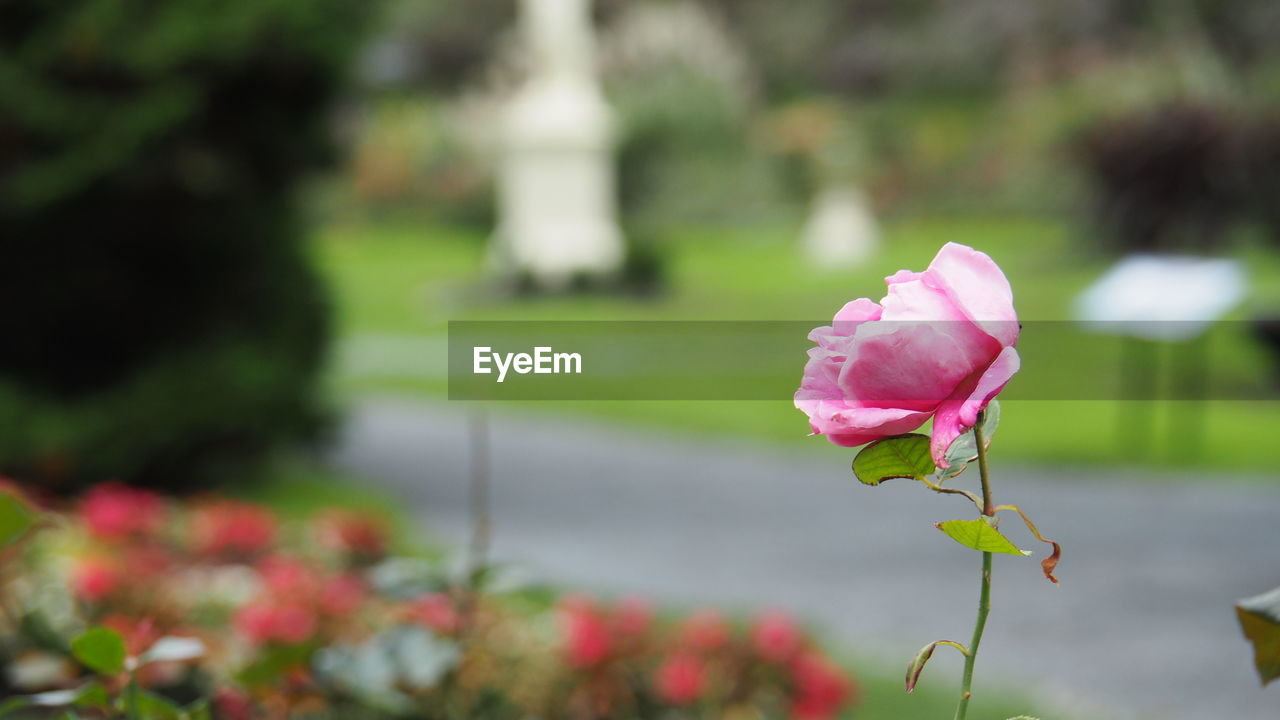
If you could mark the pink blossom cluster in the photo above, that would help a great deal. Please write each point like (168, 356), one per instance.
(705, 662)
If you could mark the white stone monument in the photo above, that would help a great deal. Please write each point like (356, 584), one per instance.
(840, 231)
(556, 197)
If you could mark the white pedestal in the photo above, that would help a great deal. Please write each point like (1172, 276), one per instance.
(556, 186)
(840, 231)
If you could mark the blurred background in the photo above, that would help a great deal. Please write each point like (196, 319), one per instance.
(232, 235)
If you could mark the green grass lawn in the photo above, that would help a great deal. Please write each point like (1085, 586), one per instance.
(397, 284)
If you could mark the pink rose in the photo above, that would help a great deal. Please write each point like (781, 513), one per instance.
(342, 595)
(939, 345)
(113, 511)
(821, 689)
(588, 641)
(95, 579)
(680, 679)
(776, 637)
(437, 611)
(233, 528)
(265, 621)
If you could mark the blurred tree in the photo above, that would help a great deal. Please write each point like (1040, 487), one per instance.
(160, 316)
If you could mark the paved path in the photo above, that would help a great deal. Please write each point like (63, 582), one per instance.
(1142, 622)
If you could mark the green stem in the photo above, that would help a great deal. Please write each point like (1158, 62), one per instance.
(984, 607)
(984, 595)
(979, 438)
(132, 710)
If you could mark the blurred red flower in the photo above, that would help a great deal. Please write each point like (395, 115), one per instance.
(113, 511)
(93, 579)
(286, 623)
(435, 611)
(341, 595)
(586, 632)
(776, 637)
(680, 679)
(287, 576)
(821, 689)
(232, 528)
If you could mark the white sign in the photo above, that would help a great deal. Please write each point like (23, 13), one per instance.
(1162, 297)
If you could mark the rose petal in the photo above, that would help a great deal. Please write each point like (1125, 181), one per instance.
(977, 287)
(916, 300)
(959, 412)
(857, 311)
(913, 365)
(847, 320)
(849, 426)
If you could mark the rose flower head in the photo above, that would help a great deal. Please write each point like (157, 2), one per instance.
(232, 528)
(113, 511)
(821, 688)
(437, 611)
(939, 345)
(588, 637)
(776, 637)
(93, 579)
(265, 621)
(680, 679)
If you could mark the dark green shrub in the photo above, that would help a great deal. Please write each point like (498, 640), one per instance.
(1262, 170)
(159, 314)
(1168, 178)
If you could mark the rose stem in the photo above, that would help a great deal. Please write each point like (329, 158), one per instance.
(984, 595)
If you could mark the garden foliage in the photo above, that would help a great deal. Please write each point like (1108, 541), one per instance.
(160, 316)
(129, 602)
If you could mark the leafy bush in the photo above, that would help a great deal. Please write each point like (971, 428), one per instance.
(1164, 178)
(149, 156)
(130, 601)
(1262, 169)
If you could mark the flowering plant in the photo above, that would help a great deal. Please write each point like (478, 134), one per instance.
(131, 605)
(940, 346)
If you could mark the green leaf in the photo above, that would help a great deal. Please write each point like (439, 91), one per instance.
(198, 710)
(100, 649)
(14, 705)
(1260, 620)
(154, 707)
(964, 449)
(901, 456)
(979, 535)
(15, 519)
(273, 663)
(93, 696)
